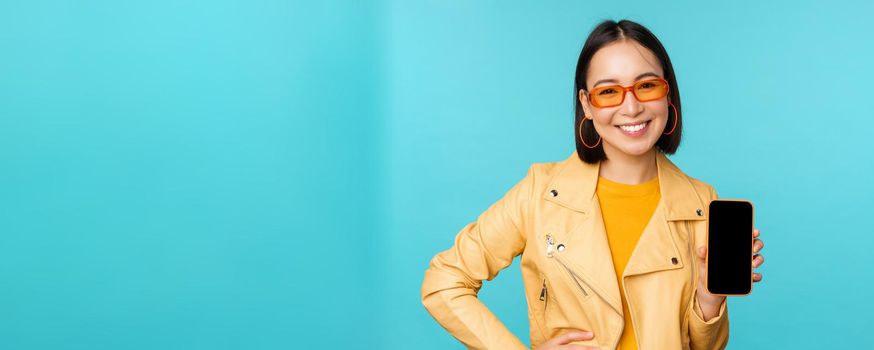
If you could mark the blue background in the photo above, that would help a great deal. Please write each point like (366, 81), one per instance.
(267, 174)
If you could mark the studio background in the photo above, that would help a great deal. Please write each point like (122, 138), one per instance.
(270, 174)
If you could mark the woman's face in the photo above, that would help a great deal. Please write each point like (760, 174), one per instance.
(624, 63)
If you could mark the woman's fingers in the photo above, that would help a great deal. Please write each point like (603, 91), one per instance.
(561, 341)
(572, 336)
(578, 347)
(758, 245)
(756, 232)
(758, 260)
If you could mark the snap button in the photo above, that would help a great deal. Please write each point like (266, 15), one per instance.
(674, 260)
(553, 193)
(700, 212)
(561, 247)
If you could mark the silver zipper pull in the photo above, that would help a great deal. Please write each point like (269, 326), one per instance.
(550, 245)
(543, 291)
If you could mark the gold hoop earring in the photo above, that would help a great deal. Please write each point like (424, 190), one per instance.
(581, 134)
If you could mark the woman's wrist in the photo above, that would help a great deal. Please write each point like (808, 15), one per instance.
(710, 305)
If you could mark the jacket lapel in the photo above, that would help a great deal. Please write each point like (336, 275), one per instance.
(658, 247)
(588, 250)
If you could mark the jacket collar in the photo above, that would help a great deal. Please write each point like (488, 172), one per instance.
(575, 183)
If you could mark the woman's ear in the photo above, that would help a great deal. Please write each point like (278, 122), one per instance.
(585, 103)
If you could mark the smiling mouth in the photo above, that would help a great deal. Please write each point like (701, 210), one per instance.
(633, 128)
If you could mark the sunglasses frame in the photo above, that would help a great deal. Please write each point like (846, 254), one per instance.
(625, 90)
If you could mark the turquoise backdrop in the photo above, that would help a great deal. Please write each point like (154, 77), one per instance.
(277, 175)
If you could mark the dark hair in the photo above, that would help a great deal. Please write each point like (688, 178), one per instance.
(605, 33)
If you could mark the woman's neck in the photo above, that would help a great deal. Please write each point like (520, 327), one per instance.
(628, 169)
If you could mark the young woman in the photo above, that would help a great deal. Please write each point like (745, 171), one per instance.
(612, 238)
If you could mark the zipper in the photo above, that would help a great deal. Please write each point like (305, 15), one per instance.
(575, 277)
(550, 245)
(550, 252)
(544, 298)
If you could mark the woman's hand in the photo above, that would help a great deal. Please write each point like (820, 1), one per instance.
(561, 342)
(710, 303)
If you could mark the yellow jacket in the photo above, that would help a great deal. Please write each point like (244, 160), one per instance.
(553, 219)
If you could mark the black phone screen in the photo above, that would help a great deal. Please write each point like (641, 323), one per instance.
(729, 247)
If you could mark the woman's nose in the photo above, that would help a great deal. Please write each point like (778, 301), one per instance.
(631, 106)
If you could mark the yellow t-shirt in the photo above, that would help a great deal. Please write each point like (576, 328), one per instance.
(627, 210)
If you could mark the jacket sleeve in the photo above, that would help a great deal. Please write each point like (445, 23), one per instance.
(713, 333)
(482, 248)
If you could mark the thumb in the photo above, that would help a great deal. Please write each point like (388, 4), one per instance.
(702, 251)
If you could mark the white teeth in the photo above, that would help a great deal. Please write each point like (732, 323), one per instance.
(633, 128)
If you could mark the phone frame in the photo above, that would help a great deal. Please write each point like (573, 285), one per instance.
(707, 244)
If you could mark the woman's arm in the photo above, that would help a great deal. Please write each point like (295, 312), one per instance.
(708, 327)
(708, 332)
(482, 248)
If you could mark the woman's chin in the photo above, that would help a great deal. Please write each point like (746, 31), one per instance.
(635, 148)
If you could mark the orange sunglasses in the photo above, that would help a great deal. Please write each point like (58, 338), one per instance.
(614, 95)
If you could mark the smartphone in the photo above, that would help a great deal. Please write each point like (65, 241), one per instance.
(729, 247)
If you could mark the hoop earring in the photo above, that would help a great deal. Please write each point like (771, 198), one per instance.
(581, 134)
(675, 119)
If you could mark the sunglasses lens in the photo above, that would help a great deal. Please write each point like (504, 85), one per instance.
(649, 90)
(607, 96)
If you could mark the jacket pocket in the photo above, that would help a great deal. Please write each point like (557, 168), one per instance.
(538, 310)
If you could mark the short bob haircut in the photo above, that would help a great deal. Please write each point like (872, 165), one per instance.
(605, 33)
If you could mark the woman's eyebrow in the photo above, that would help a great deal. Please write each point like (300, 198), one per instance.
(647, 74)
